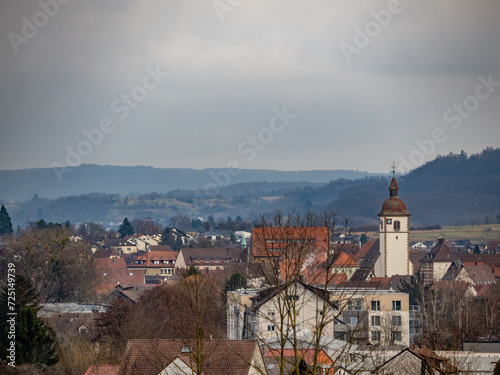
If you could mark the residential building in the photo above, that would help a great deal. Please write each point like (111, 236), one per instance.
(279, 310)
(121, 245)
(209, 258)
(368, 314)
(217, 235)
(240, 234)
(434, 265)
(156, 263)
(144, 242)
(114, 271)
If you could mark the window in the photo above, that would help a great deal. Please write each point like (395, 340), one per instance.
(376, 321)
(131, 274)
(396, 336)
(375, 335)
(397, 226)
(396, 320)
(320, 312)
(270, 328)
(335, 305)
(156, 262)
(375, 305)
(270, 313)
(292, 298)
(396, 305)
(354, 320)
(217, 260)
(355, 304)
(197, 261)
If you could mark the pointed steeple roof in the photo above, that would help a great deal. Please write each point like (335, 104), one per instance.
(394, 205)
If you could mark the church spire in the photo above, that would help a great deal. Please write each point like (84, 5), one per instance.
(393, 188)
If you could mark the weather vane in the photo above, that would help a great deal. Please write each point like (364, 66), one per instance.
(393, 169)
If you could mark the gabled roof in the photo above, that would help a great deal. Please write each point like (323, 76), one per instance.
(151, 256)
(266, 294)
(160, 248)
(345, 260)
(481, 275)
(439, 364)
(439, 253)
(217, 232)
(117, 242)
(150, 357)
(415, 256)
(370, 255)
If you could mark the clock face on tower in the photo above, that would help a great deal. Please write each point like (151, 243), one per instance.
(389, 221)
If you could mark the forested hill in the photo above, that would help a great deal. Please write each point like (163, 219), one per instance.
(452, 189)
(85, 179)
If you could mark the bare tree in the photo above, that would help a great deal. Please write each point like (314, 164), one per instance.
(294, 309)
(62, 270)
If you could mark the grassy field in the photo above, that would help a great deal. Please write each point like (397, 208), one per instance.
(474, 233)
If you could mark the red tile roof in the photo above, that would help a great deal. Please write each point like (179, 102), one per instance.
(267, 241)
(151, 256)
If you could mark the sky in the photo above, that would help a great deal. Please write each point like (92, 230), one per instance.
(287, 85)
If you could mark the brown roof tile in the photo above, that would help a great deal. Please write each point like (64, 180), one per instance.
(150, 357)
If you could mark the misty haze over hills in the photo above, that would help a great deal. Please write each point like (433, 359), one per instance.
(85, 179)
(452, 189)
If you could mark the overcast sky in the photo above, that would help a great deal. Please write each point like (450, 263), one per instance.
(314, 84)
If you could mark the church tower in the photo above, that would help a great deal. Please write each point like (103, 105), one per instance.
(394, 226)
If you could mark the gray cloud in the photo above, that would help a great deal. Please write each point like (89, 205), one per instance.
(226, 77)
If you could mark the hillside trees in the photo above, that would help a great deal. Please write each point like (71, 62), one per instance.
(62, 270)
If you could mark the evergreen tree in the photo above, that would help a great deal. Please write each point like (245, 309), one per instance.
(192, 270)
(236, 281)
(126, 228)
(5, 223)
(363, 239)
(35, 341)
